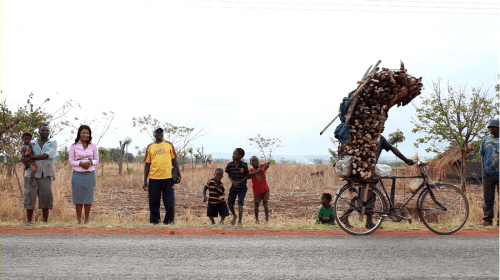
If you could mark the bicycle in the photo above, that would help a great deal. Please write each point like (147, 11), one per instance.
(360, 206)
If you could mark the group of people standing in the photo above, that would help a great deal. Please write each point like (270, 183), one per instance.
(162, 168)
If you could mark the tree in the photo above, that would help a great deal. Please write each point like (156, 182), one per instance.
(100, 126)
(334, 156)
(63, 154)
(104, 157)
(454, 117)
(12, 123)
(123, 145)
(396, 137)
(266, 146)
(180, 136)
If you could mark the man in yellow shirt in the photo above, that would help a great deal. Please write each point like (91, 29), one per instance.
(159, 160)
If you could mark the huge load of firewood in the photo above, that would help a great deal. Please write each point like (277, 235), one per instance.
(377, 92)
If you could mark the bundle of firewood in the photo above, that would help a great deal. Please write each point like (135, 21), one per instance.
(377, 93)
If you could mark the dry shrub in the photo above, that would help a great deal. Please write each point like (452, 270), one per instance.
(120, 199)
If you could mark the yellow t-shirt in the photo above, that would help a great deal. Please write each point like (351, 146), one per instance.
(160, 156)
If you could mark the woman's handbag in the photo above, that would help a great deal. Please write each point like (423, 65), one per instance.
(175, 175)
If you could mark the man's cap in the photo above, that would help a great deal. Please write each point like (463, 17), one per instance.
(157, 127)
(493, 123)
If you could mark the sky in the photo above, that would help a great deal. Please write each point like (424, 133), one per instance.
(238, 68)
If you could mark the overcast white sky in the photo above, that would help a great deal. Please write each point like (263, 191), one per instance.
(238, 67)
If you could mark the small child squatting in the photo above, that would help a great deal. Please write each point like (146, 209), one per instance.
(259, 186)
(27, 150)
(216, 202)
(325, 210)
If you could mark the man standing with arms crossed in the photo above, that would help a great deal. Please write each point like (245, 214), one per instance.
(44, 154)
(159, 160)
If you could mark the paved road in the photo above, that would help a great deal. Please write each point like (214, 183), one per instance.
(265, 257)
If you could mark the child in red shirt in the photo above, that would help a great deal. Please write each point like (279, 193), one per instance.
(259, 185)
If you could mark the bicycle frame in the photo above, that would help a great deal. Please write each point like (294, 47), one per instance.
(391, 198)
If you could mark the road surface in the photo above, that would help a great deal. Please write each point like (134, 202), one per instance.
(58, 256)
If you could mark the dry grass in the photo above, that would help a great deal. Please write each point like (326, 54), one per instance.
(120, 200)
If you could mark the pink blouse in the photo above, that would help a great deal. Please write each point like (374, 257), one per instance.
(77, 154)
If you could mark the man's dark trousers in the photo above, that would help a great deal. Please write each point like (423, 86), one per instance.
(157, 187)
(490, 185)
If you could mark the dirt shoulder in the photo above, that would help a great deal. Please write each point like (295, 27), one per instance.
(209, 231)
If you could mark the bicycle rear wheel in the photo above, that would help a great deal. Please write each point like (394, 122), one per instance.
(444, 209)
(347, 210)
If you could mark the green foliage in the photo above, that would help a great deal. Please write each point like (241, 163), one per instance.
(396, 137)
(266, 146)
(13, 121)
(454, 117)
(104, 155)
(180, 136)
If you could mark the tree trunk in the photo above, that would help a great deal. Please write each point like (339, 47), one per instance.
(463, 171)
(120, 161)
(18, 182)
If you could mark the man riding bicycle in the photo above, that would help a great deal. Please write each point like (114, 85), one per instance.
(385, 145)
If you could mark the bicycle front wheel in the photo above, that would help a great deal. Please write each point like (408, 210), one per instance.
(348, 208)
(444, 209)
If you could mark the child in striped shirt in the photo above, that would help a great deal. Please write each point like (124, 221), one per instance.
(216, 203)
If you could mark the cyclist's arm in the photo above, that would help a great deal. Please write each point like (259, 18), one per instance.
(401, 156)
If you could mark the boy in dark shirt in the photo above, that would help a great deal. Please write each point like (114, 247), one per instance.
(237, 171)
(216, 202)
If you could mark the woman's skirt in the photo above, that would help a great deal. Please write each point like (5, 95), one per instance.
(83, 187)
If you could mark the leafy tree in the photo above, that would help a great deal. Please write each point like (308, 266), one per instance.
(13, 122)
(180, 136)
(104, 157)
(266, 146)
(454, 117)
(396, 137)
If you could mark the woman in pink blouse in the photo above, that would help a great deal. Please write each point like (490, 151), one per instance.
(83, 156)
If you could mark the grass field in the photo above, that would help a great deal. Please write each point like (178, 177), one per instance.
(121, 201)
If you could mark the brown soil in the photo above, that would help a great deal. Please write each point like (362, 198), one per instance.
(205, 231)
(128, 198)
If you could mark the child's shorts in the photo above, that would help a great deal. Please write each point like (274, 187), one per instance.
(214, 210)
(261, 197)
(241, 192)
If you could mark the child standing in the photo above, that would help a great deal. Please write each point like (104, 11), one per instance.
(325, 210)
(27, 150)
(237, 171)
(216, 202)
(259, 186)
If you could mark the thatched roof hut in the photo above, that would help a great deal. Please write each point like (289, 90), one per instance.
(448, 166)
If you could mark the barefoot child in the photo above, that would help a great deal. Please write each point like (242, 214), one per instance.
(325, 211)
(27, 150)
(237, 172)
(216, 202)
(259, 186)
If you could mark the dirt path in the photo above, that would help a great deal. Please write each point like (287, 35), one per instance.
(205, 231)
